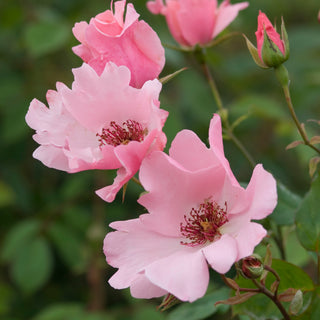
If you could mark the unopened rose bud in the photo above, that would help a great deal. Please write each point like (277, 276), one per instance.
(250, 267)
(272, 48)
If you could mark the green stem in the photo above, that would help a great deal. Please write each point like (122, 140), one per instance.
(283, 78)
(137, 181)
(224, 116)
(279, 241)
(274, 272)
(273, 297)
(241, 147)
(318, 267)
(212, 84)
(296, 121)
(223, 38)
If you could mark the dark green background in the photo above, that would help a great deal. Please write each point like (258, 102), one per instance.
(51, 223)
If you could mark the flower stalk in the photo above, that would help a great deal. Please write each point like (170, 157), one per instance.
(261, 288)
(273, 297)
(228, 129)
(282, 76)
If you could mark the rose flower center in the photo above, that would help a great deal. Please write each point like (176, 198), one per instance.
(202, 224)
(116, 134)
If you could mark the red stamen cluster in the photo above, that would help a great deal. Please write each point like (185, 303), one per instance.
(115, 134)
(202, 224)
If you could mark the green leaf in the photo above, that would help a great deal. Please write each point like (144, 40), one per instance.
(69, 246)
(43, 37)
(77, 185)
(258, 105)
(288, 203)
(6, 295)
(17, 238)
(70, 311)
(33, 266)
(7, 196)
(61, 312)
(291, 276)
(308, 219)
(78, 218)
(201, 308)
(147, 313)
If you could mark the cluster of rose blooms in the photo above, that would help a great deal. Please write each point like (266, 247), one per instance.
(197, 214)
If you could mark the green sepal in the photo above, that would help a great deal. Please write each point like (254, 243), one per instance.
(167, 78)
(271, 54)
(254, 54)
(168, 301)
(285, 39)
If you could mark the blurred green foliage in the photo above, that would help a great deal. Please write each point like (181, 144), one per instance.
(52, 224)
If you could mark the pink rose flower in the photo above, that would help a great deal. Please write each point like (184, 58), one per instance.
(101, 123)
(129, 42)
(199, 215)
(271, 58)
(196, 21)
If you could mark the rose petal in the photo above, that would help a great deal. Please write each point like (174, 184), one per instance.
(184, 274)
(221, 254)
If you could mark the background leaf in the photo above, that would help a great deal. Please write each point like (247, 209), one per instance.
(33, 266)
(288, 202)
(18, 237)
(201, 308)
(69, 246)
(308, 218)
(46, 36)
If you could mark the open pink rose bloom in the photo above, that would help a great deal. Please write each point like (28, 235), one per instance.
(194, 22)
(125, 41)
(198, 215)
(101, 123)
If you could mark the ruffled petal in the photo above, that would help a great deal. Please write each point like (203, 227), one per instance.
(130, 157)
(52, 157)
